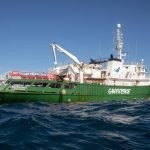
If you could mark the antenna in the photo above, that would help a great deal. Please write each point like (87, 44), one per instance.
(113, 42)
(119, 42)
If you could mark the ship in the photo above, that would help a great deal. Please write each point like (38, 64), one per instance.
(99, 80)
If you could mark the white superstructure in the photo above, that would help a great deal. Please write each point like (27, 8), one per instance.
(111, 72)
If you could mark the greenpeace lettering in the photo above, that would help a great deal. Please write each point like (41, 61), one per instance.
(113, 91)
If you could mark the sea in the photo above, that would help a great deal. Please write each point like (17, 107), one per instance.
(121, 125)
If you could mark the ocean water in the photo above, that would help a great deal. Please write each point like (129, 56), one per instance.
(77, 126)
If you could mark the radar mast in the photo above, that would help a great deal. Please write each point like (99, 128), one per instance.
(119, 42)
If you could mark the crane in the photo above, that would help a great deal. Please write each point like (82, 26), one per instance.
(71, 56)
(62, 50)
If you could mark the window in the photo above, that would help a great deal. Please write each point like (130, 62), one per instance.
(69, 86)
(54, 85)
(39, 84)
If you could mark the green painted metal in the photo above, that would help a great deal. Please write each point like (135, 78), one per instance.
(57, 92)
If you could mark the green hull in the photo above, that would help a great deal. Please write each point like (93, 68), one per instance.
(69, 92)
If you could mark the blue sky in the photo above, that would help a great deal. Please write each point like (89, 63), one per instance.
(83, 27)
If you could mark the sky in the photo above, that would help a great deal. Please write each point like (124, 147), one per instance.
(83, 27)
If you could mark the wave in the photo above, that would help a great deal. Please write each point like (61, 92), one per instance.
(105, 125)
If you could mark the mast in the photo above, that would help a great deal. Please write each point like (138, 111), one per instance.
(119, 42)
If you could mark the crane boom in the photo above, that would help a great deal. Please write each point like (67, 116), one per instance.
(62, 50)
(71, 56)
